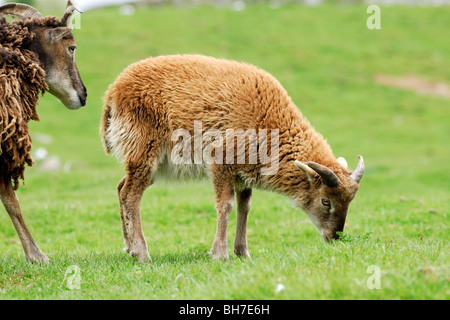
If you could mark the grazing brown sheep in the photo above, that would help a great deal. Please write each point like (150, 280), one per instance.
(36, 55)
(157, 101)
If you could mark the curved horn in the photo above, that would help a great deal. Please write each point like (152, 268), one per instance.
(329, 178)
(307, 170)
(359, 171)
(22, 11)
(70, 8)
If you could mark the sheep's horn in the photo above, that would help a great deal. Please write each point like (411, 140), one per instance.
(22, 11)
(359, 171)
(70, 8)
(310, 173)
(329, 178)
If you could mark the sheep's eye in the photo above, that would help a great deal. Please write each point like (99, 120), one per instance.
(326, 202)
(71, 49)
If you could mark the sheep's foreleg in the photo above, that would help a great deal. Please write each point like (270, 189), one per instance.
(243, 198)
(11, 203)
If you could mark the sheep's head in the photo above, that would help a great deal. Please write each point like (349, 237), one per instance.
(55, 45)
(329, 195)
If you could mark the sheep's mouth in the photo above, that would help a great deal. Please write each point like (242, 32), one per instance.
(72, 100)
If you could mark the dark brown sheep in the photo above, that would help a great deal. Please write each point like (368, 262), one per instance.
(35, 56)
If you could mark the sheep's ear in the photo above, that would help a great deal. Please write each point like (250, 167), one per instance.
(58, 33)
(343, 162)
(306, 169)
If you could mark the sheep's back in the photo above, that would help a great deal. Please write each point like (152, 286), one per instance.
(182, 89)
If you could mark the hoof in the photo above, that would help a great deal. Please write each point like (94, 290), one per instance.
(143, 257)
(219, 253)
(38, 258)
(242, 254)
(223, 257)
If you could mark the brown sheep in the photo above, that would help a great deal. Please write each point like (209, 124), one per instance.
(36, 55)
(156, 101)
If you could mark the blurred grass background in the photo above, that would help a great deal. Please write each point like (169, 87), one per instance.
(327, 60)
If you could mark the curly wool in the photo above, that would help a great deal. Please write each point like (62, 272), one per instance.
(22, 79)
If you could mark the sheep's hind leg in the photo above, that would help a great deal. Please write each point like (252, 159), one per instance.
(243, 198)
(130, 195)
(123, 217)
(9, 199)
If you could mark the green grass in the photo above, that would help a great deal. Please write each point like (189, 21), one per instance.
(326, 58)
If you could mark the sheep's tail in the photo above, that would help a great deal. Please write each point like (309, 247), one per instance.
(104, 124)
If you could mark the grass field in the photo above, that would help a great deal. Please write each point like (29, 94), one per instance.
(327, 59)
